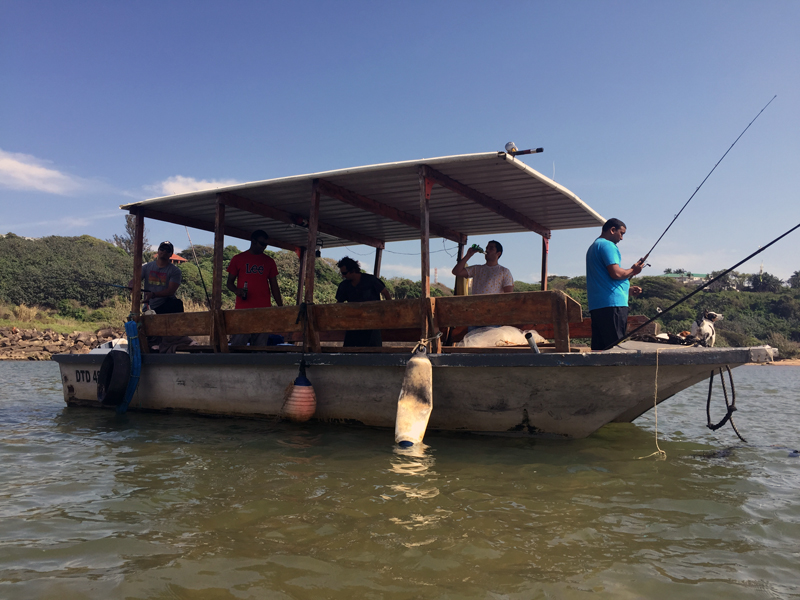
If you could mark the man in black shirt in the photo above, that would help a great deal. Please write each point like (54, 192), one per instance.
(360, 287)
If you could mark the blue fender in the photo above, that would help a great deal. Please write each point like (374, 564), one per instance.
(135, 352)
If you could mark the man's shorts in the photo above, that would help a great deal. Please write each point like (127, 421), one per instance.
(608, 326)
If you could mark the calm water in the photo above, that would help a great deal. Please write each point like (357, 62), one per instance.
(146, 506)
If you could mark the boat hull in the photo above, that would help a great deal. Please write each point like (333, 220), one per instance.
(570, 395)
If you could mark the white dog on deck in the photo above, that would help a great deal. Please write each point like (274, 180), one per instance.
(703, 331)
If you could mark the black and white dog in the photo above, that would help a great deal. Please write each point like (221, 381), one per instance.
(703, 329)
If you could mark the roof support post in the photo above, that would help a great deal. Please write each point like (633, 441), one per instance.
(313, 223)
(138, 248)
(218, 339)
(460, 288)
(545, 254)
(425, 258)
(310, 335)
(303, 256)
(376, 270)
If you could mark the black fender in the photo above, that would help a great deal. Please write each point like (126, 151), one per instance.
(112, 382)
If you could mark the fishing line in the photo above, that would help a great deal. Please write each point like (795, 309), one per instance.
(702, 287)
(198, 268)
(707, 176)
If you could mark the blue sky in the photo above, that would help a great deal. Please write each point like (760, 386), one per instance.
(103, 103)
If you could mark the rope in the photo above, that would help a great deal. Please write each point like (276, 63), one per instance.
(424, 342)
(729, 406)
(659, 452)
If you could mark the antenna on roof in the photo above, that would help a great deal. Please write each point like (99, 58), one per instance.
(511, 148)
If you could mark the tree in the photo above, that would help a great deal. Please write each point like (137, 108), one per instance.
(794, 280)
(721, 284)
(127, 240)
(764, 282)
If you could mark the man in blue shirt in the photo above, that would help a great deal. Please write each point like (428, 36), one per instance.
(608, 286)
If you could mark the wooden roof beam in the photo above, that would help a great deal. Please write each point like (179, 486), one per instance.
(487, 202)
(202, 225)
(384, 210)
(276, 214)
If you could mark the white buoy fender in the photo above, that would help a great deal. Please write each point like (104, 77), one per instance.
(416, 399)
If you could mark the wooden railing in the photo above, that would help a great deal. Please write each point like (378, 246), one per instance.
(405, 317)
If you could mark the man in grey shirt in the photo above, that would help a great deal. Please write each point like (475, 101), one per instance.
(161, 280)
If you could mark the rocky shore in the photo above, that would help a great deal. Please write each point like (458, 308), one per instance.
(33, 344)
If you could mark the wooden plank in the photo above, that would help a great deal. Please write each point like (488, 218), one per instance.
(545, 255)
(560, 323)
(311, 325)
(498, 309)
(486, 201)
(177, 324)
(221, 331)
(138, 248)
(205, 226)
(400, 314)
(282, 216)
(384, 210)
(275, 319)
(368, 349)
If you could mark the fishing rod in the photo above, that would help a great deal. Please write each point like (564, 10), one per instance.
(122, 287)
(702, 287)
(707, 176)
(208, 301)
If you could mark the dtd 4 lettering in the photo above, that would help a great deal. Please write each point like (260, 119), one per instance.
(254, 268)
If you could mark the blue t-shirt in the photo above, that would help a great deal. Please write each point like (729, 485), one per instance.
(601, 289)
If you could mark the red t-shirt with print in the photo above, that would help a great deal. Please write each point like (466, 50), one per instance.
(255, 270)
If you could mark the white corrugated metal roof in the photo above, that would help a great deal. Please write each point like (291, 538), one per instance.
(498, 176)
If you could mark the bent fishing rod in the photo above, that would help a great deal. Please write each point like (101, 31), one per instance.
(702, 287)
(208, 300)
(704, 180)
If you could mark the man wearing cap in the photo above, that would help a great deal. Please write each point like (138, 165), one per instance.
(161, 280)
(251, 276)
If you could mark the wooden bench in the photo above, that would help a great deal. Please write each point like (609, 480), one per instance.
(399, 320)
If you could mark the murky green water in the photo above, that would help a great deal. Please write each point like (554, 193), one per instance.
(148, 506)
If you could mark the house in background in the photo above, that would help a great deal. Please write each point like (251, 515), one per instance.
(686, 278)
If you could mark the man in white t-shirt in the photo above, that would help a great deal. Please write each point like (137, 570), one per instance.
(490, 278)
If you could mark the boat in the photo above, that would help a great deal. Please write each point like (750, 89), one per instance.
(558, 389)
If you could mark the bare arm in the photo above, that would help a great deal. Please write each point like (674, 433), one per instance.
(170, 291)
(460, 270)
(231, 285)
(387, 295)
(618, 273)
(507, 289)
(276, 290)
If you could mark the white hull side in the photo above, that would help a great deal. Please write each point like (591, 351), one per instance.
(572, 396)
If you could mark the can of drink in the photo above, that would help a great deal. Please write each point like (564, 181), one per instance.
(244, 295)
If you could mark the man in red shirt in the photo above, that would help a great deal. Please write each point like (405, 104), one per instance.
(251, 276)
